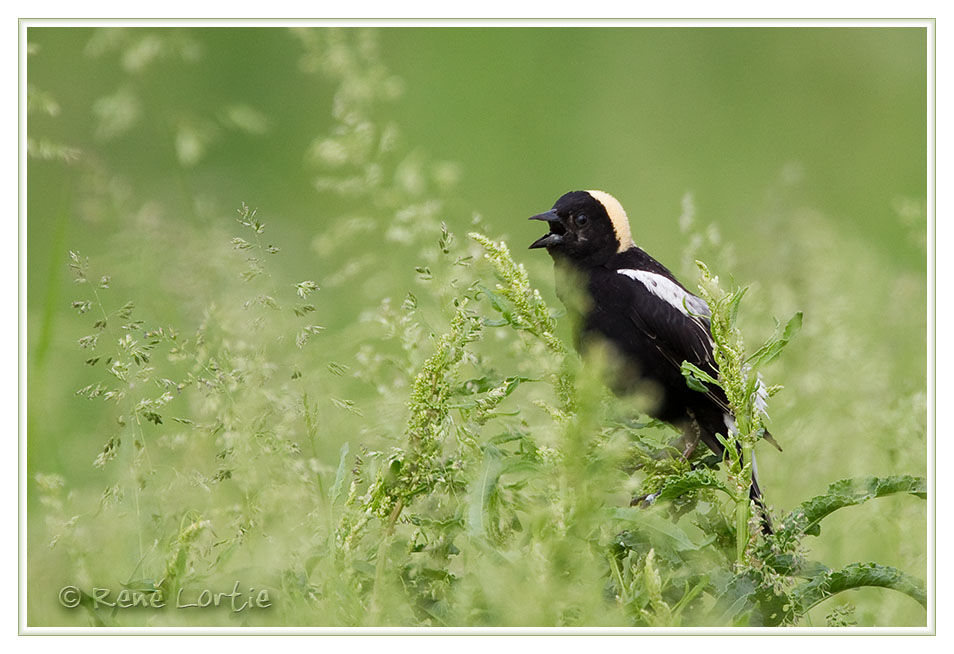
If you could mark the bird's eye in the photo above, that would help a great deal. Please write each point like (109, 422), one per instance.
(580, 220)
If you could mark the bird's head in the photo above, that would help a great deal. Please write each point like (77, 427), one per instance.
(586, 228)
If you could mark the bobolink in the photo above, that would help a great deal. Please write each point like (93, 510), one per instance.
(634, 304)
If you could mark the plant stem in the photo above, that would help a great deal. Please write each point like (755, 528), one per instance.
(395, 514)
(742, 504)
(381, 563)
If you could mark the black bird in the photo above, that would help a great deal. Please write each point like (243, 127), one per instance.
(634, 304)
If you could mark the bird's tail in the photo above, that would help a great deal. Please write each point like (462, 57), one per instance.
(756, 494)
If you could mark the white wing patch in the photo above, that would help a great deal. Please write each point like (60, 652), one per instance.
(669, 292)
(761, 396)
(729, 421)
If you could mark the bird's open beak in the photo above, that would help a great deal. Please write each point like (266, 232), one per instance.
(557, 230)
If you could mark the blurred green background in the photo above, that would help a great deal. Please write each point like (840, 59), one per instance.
(792, 159)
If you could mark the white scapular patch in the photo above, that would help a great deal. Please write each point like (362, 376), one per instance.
(617, 216)
(668, 291)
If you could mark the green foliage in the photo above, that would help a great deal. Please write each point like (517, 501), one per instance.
(528, 312)
(469, 490)
(410, 444)
(770, 350)
(846, 492)
(857, 575)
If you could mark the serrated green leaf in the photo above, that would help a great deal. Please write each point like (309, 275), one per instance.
(858, 575)
(732, 304)
(696, 378)
(846, 492)
(691, 481)
(774, 346)
(663, 533)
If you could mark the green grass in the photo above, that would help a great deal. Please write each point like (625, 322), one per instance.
(351, 392)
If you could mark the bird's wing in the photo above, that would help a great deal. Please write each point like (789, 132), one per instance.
(675, 321)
